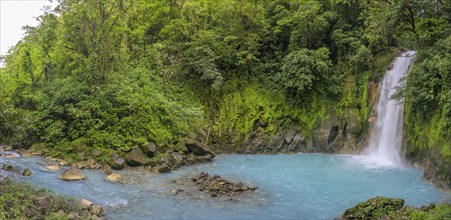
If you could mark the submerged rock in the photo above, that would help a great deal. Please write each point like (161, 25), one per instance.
(52, 167)
(114, 177)
(214, 186)
(72, 174)
(7, 167)
(27, 172)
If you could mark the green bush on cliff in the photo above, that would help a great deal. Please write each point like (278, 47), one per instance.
(428, 109)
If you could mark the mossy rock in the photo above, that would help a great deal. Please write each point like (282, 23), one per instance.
(136, 157)
(374, 208)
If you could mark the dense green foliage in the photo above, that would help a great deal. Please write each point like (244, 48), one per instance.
(111, 74)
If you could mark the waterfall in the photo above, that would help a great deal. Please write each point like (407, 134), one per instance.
(386, 136)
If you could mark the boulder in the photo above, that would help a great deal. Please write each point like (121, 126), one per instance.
(166, 159)
(198, 148)
(136, 157)
(86, 204)
(149, 149)
(27, 172)
(72, 174)
(177, 158)
(96, 210)
(114, 177)
(117, 162)
(164, 168)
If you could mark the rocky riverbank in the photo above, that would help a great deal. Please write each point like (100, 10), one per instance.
(22, 201)
(148, 156)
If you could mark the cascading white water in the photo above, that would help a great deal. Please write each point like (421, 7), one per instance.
(386, 136)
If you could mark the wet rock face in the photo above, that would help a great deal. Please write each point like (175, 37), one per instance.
(333, 133)
(214, 186)
(72, 174)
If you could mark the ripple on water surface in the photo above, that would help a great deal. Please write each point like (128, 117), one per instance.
(301, 186)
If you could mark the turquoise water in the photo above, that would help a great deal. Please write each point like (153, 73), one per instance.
(298, 186)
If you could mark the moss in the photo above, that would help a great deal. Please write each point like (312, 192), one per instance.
(392, 208)
(240, 112)
(373, 208)
(425, 140)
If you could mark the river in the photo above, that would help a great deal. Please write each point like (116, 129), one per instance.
(295, 186)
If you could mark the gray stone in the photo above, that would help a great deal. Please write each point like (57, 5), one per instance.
(163, 168)
(118, 163)
(177, 158)
(136, 157)
(72, 174)
(114, 177)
